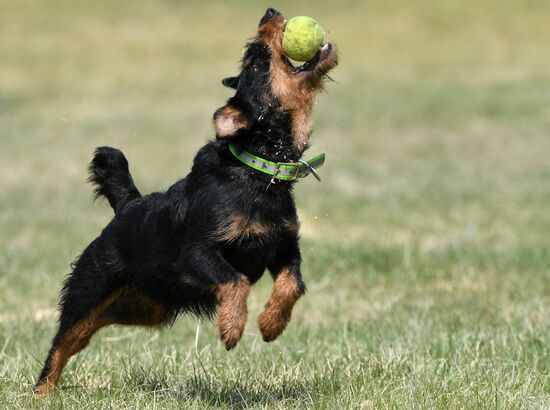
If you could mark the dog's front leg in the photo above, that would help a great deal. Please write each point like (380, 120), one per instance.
(233, 310)
(206, 265)
(287, 289)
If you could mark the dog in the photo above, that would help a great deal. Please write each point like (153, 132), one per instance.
(199, 246)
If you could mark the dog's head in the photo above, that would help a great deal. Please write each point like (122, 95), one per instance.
(271, 94)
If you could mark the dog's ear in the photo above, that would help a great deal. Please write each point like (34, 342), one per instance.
(231, 82)
(228, 120)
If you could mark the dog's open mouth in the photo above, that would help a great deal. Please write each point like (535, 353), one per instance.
(323, 53)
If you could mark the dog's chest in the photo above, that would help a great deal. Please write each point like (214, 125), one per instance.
(242, 229)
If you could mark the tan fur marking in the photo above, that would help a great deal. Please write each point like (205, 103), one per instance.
(73, 341)
(233, 310)
(79, 336)
(227, 121)
(278, 308)
(291, 226)
(58, 362)
(239, 228)
(295, 92)
(154, 314)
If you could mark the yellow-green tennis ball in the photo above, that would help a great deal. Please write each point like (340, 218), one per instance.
(302, 38)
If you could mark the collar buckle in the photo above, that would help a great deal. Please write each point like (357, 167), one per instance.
(309, 170)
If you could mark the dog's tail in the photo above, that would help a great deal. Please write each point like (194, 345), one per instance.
(111, 177)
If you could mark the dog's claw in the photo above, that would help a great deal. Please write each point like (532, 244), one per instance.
(230, 338)
(230, 344)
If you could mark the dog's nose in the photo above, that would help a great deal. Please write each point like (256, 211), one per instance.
(270, 13)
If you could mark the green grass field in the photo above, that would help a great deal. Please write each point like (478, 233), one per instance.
(426, 247)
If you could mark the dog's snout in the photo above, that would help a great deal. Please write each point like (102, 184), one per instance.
(270, 13)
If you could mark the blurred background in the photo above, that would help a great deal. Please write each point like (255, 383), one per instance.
(426, 247)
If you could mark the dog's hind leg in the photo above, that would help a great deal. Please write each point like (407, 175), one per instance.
(72, 336)
(121, 307)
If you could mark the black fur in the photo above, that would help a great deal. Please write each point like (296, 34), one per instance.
(111, 177)
(178, 248)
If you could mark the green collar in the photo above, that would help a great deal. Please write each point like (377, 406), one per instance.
(285, 171)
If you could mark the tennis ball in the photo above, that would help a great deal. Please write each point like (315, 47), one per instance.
(302, 38)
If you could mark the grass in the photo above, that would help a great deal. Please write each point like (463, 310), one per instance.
(426, 247)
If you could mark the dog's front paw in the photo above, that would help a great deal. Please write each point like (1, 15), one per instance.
(231, 326)
(287, 289)
(273, 321)
(233, 311)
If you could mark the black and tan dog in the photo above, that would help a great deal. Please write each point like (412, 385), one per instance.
(203, 243)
